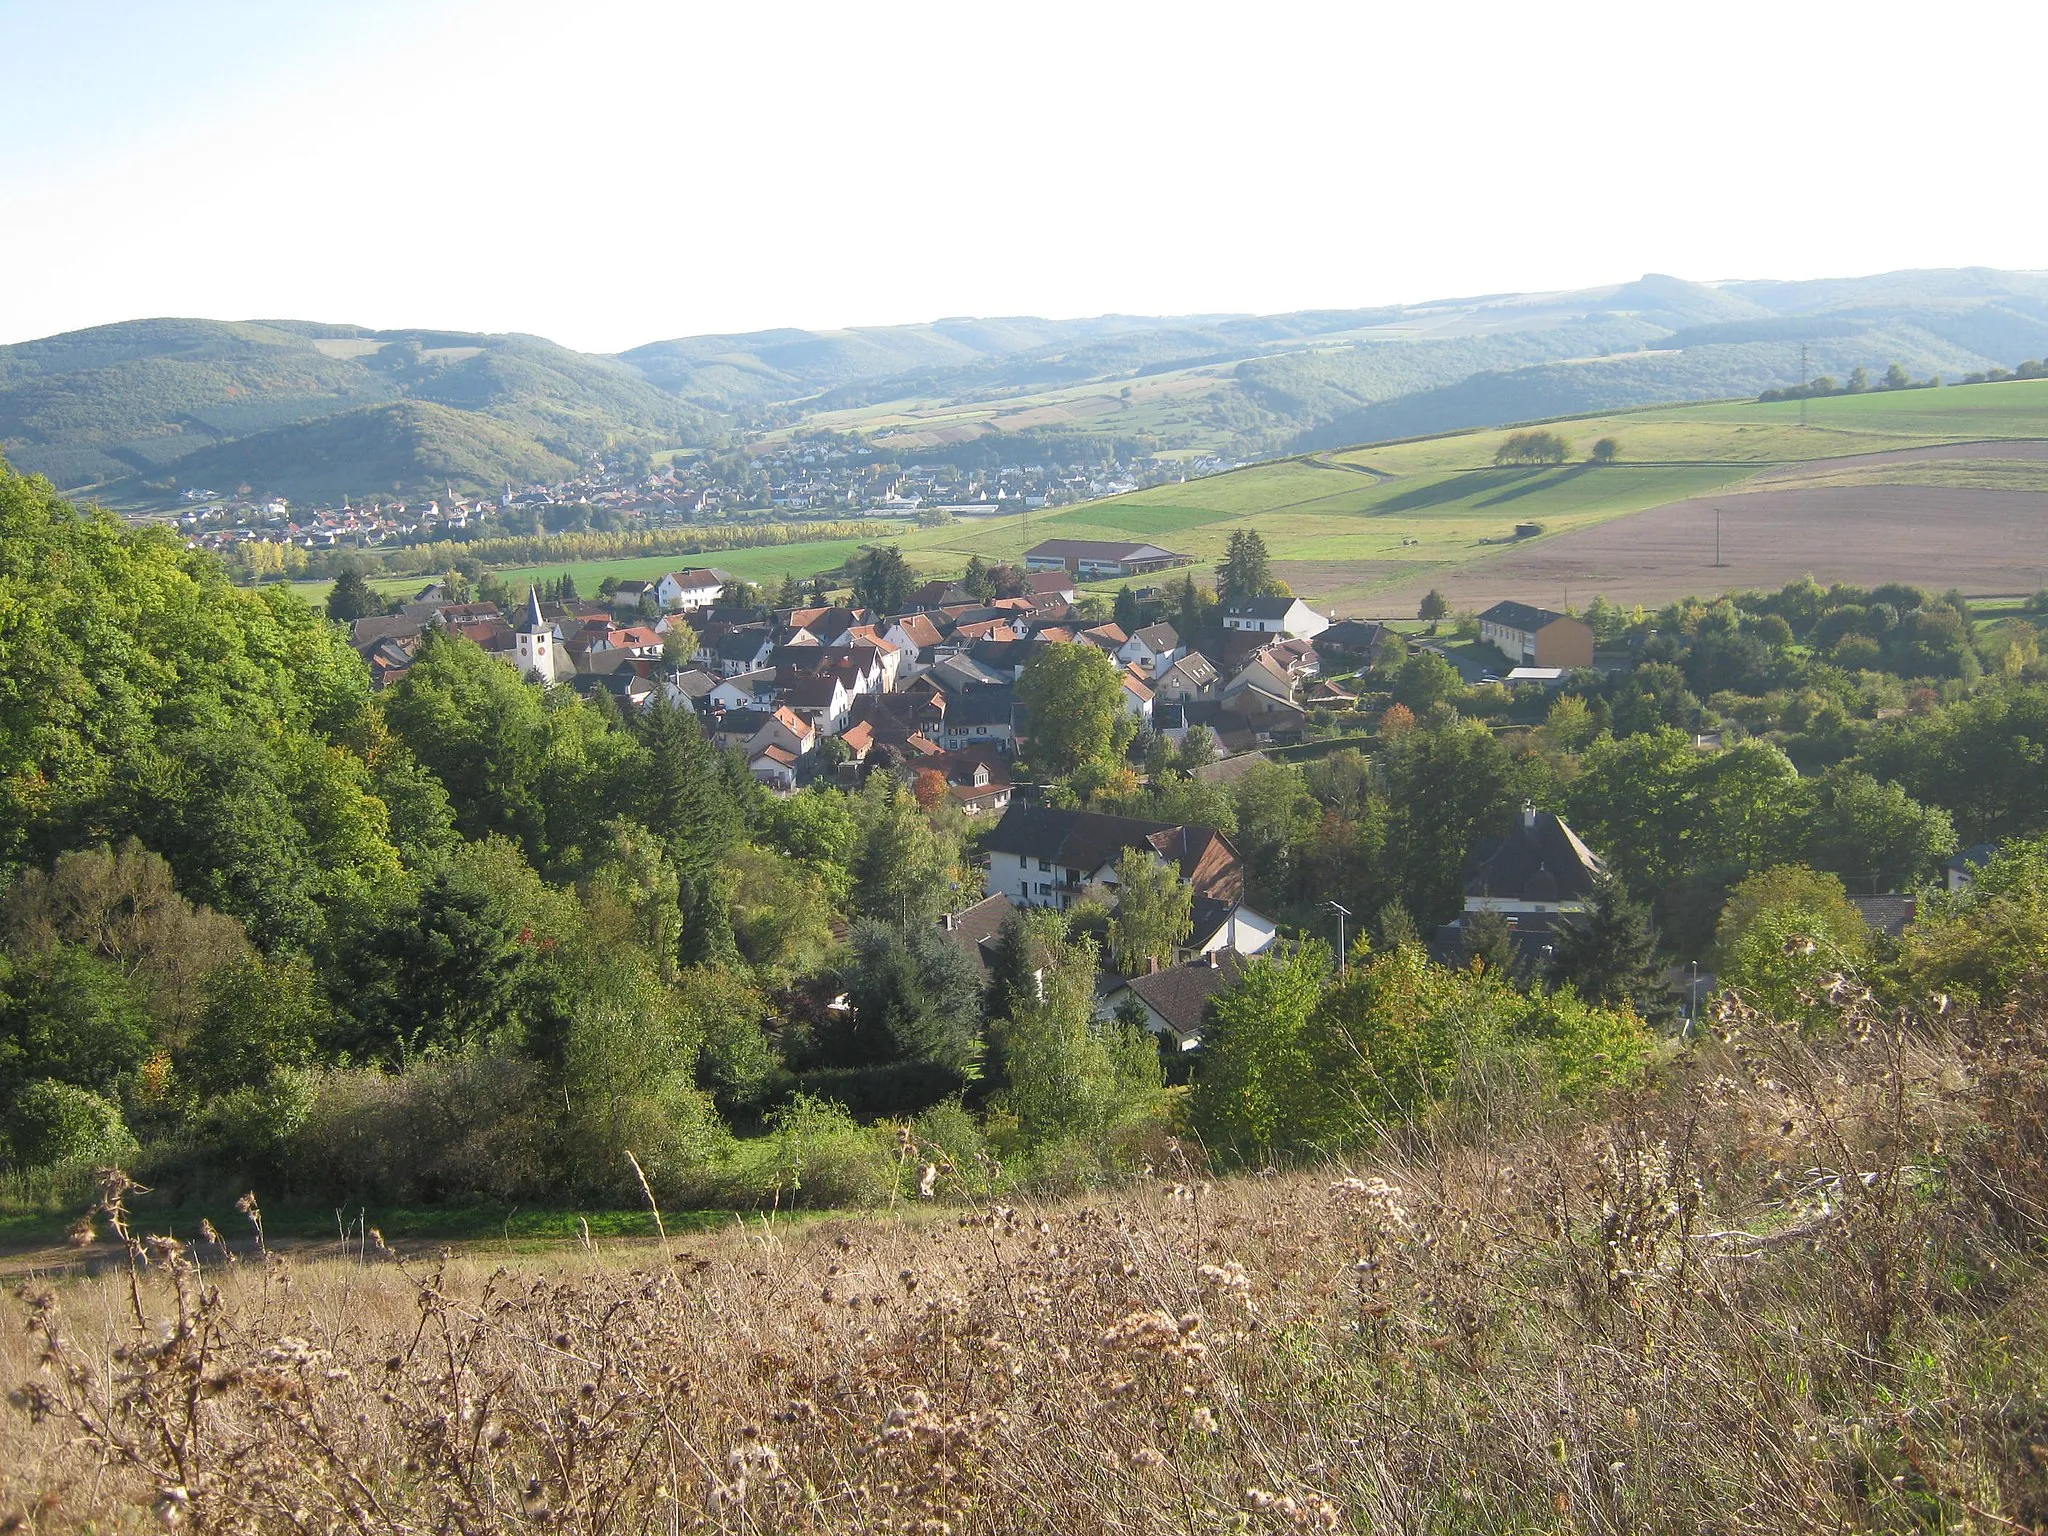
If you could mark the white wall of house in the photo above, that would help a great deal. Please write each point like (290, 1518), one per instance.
(1245, 931)
(671, 593)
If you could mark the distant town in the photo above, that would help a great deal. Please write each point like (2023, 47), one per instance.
(802, 480)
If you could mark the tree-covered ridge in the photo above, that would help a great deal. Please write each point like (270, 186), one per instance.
(130, 401)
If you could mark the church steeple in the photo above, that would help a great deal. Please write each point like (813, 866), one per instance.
(534, 622)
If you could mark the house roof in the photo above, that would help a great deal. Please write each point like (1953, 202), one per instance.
(975, 929)
(1536, 857)
(1261, 608)
(1976, 856)
(1087, 840)
(1353, 635)
(1520, 616)
(1194, 669)
(1098, 549)
(1048, 581)
(1888, 915)
(1180, 994)
(1159, 637)
(695, 683)
(919, 630)
(1228, 770)
(815, 692)
(982, 706)
(739, 644)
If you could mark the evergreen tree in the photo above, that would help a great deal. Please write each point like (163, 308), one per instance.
(1490, 941)
(1245, 572)
(1609, 955)
(1125, 613)
(351, 598)
(979, 580)
(688, 799)
(883, 580)
(1012, 969)
(1395, 927)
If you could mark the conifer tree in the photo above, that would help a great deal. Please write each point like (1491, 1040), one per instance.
(1609, 954)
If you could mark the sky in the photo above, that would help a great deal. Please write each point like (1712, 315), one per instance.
(614, 172)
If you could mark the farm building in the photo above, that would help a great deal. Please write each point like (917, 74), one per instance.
(1095, 559)
(1536, 637)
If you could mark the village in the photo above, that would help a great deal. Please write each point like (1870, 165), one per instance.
(830, 693)
(810, 478)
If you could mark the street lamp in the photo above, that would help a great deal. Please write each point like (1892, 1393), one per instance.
(1342, 913)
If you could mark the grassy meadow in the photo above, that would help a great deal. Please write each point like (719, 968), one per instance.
(1343, 527)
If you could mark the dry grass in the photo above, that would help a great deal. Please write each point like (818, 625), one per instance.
(1796, 1288)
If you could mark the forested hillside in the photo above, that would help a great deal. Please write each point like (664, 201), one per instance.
(128, 403)
(129, 406)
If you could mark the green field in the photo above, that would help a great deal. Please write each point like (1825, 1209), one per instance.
(1341, 527)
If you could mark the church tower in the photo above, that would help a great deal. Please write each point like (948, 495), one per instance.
(535, 640)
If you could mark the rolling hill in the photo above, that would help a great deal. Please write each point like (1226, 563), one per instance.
(124, 406)
(126, 410)
(1938, 487)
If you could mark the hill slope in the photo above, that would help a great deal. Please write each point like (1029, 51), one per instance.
(126, 405)
(1249, 386)
(379, 448)
(132, 402)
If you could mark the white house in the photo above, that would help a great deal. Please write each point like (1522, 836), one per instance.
(1155, 648)
(1137, 696)
(689, 590)
(1288, 616)
(1175, 999)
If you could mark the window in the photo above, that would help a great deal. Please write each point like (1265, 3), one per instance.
(1045, 865)
(1022, 862)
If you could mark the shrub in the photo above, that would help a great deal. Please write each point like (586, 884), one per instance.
(1592, 1049)
(818, 1155)
(52, 1124)
(449, 1127)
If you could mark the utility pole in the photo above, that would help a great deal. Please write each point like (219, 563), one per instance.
(1802, 390)
(1343, 955)
(1717, 538)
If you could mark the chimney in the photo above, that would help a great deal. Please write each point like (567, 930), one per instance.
(948, 921)
(1211, 958)
(1528, 816)
(1152, 965)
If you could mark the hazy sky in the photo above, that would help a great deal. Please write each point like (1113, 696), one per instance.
(608, 172)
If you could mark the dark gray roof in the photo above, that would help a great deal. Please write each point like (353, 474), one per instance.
(1360, 635)
(1521, 616)
(1098, 549)
(982, 706)
(1888, 915)
(1261, 608)
(739, 644)
(1976, 856)
(1181, 994)
(1160, 637)
(1536, 858)
(975, 929)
